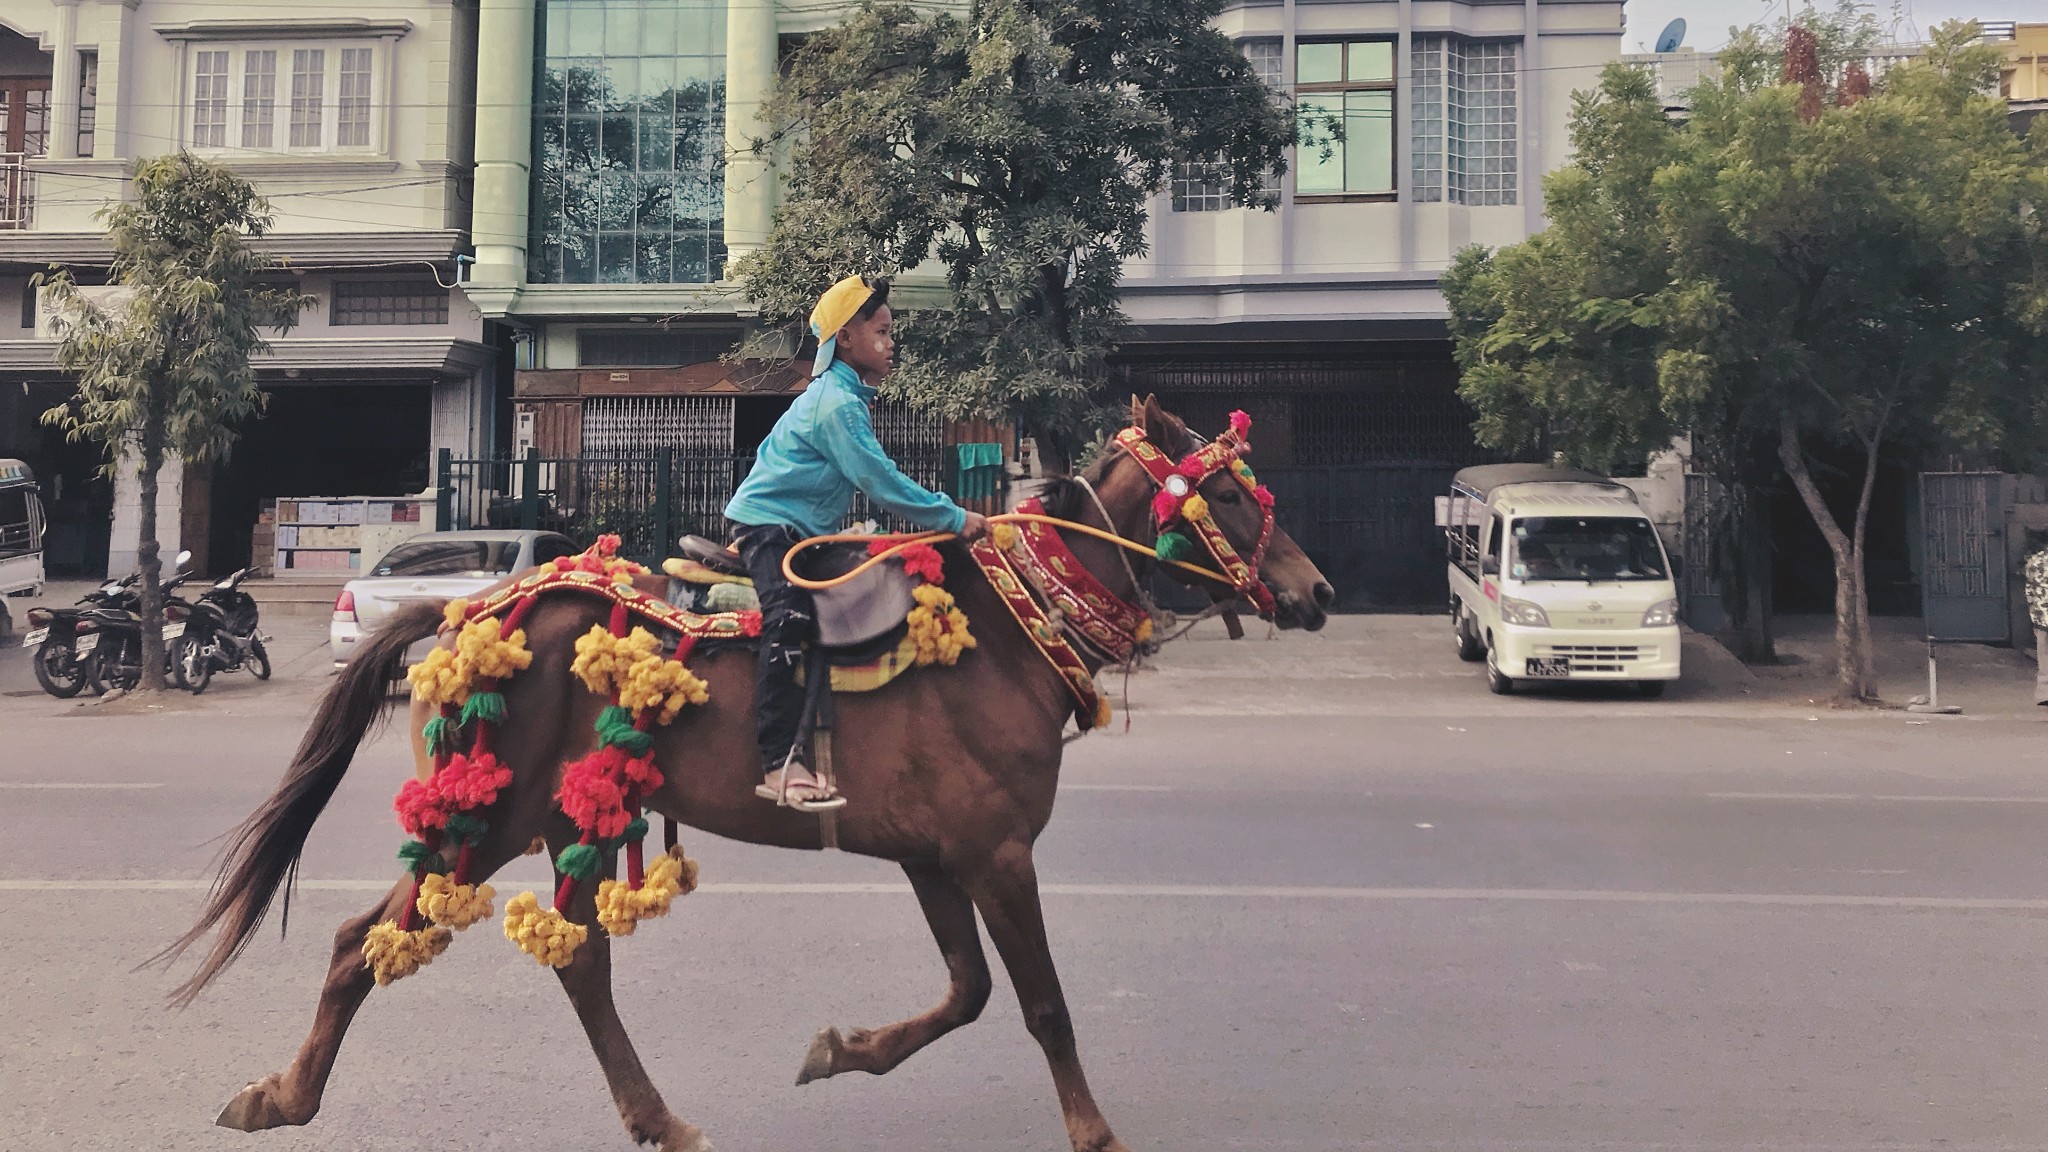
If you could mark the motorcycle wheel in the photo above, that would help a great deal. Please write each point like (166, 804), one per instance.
(259, 660)
(191, 664)
(57, 670)
(112, 668)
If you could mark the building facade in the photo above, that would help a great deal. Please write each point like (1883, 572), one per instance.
(358, 130)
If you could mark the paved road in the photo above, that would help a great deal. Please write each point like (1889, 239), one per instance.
(1448, 922)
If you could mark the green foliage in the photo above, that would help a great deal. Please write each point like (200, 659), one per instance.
(1789, 266)
(1012, 150)
(164, 367)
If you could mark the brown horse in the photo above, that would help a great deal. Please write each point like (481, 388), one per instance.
(957, 796)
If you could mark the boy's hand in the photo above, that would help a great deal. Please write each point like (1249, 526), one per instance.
(975, 528)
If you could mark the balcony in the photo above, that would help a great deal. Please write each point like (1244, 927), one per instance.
(17, 193)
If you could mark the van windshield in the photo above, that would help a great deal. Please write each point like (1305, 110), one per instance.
(1590, 548)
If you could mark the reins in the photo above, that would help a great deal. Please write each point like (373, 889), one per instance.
(906, 540)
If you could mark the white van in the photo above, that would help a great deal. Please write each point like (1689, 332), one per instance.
(1558, 574)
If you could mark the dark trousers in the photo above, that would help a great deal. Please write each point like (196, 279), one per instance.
(787, 621)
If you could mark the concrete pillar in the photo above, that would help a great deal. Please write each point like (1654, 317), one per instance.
(504, 140)
(126, 539)
(1404, 132)
(110, 136)
(750, 32)
(64, 83)
(1530, 173)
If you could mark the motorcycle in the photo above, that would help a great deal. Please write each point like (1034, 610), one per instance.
(220, 635)
(111, 635)
(61, 652)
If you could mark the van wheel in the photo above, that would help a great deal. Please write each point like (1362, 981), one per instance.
(1651, 689)
(1497, 682)
(1470, 648)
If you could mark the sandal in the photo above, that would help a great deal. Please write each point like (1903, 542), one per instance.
(802, 795)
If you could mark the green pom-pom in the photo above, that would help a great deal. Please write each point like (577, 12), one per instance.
(437, 735)
(414, 854)
(615, 728)
(731, 598)
(485, 708)
(1172, 546)
(578, 860)
(465, 827)
(637, 830)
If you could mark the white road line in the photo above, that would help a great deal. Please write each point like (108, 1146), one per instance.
(1210, 892)
(6, 786)
(1914, 799)
(1116, 787)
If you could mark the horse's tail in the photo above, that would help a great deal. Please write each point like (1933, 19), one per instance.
(263, 853)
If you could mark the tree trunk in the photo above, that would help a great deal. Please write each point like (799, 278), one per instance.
(148, 553)
(1854, 676)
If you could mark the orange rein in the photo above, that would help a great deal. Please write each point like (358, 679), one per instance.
(905, 541)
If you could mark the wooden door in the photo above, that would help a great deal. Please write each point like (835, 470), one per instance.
(25, 115)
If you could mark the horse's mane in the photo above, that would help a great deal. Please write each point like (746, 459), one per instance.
(1064, 497)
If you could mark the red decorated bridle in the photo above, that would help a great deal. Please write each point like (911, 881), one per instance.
(1179, 504)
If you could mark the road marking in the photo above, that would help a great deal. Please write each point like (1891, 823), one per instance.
(54, 787)
(1206, 892)
(1914, 799)
(1116, 787)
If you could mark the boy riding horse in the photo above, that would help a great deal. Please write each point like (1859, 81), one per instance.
(802, 485)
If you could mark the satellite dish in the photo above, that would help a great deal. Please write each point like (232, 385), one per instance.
(1672, 36)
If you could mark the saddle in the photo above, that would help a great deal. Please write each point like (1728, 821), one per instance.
(860, 624)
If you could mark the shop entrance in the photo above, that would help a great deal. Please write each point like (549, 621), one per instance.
(319, 440)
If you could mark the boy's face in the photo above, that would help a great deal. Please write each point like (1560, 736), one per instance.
(869, 346)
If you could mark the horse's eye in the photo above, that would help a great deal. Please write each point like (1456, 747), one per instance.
(1227, 496)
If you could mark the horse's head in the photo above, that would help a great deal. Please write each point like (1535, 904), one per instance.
(1232, 531)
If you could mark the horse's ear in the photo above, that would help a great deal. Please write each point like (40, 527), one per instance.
(1164, 429)
(1137, 412)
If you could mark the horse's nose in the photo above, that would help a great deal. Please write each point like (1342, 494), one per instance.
(1325, 595)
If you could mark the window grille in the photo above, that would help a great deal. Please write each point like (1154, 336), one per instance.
(388, 302)
(617, 426)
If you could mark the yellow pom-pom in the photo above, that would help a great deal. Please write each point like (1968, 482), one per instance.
(543, 933)
(620, 909)
(441, 678)
(938, 630)
(654, 683)
(392, 953)
(604, 661)
(1102, 712)
(453, 905)
(1004, 535)
(1144, 631)
(455, 612)
(1195, 508)
(487, 651)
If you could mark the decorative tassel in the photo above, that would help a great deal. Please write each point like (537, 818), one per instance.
(620, 907)
(1102, 712)
(483, 707)
(1172, 546)
(938, 629)
(436, 735)
(578, 860)
(1005, 536)
(451, 905)
(392, 953)
(543, 933)
(1193, 508)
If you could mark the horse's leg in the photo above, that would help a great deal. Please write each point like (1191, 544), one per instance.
(1006, 892)
(588, 981)
(951, 916)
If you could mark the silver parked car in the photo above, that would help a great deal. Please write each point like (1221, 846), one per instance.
(435, 566)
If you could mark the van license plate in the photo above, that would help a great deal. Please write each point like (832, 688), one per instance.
(1549, 667)
(36, 637)
(87, 643)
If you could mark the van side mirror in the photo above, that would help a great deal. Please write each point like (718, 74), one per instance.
(1490, 566)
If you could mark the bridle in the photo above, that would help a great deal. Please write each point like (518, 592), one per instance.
(1178, 507)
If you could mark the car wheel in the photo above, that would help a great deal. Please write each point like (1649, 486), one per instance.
(1497, 682)
(1470, 649)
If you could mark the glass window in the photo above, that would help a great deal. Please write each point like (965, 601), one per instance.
(309, 73)
(1464, 131)
(1596, 549)
(388, 302)
(1204, 185)
(628, 139)
(210, 99)
(1344, 106)
(352, 112)
(451, 558)
(259, 99)
(1426, 112)
(88, 100)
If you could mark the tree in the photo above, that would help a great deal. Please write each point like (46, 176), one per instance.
(1017, 146)
(163, 364)
(1818, 261)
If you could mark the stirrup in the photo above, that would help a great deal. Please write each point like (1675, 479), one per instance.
(779, 792)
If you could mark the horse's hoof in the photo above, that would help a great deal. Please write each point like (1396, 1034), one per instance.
(818, 1058)
(254, 1109)
(684, 1138)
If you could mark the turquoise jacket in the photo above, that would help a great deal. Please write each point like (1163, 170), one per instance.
(818, 453)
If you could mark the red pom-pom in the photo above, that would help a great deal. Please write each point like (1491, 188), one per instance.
(564, 563)
(642, 776)
(1193, 468)
(877, 547)
(471, 783)
(750, 622)
(1165, 507)
(923, 562)
(1263, 495)
(590, 794)
(607, 545)
(419, 808)
(1240, 424)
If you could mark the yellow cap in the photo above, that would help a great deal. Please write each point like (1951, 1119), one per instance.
(834, 309)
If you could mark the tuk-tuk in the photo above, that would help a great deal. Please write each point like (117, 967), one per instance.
(21, 536)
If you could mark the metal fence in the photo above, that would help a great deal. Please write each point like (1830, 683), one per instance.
(1371, 528)
(647, 501)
